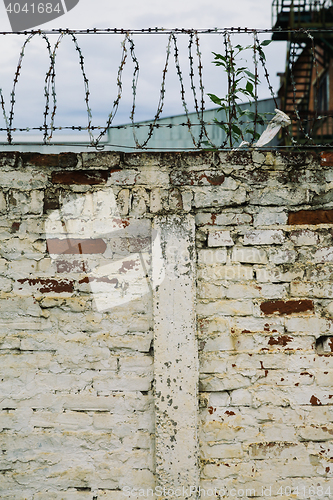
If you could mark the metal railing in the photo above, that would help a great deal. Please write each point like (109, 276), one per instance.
(293, 11)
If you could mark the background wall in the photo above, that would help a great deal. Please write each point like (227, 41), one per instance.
(92, 246)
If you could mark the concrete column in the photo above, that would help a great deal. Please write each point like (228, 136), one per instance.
(175, 355)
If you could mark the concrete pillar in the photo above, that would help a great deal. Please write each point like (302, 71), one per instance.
(175, 355)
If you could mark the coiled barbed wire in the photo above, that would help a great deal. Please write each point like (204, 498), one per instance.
(128, 52)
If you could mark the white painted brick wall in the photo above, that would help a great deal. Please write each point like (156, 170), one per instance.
(77, 404)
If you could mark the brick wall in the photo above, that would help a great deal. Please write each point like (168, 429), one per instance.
(99, 256)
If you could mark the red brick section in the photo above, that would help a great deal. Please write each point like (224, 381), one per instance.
(74, 246)
(87, 177)
(50, 160)
(311, 217)
(281, 340)
(326, 159)
(286, 306)
(46, 285)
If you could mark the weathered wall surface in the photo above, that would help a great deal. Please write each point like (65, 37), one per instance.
(90, 247)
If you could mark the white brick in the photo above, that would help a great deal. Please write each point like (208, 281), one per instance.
(28, 178)
(210, 257)
(248, 255)
(218, 196)
(209, 290)
(282, 255)
(220, 239)
(324, 254)
(279, 196)
(225, 219)
(307, 289)
(304, 237)
(312, 325)
(225, 307)
(276, 275)
(27, 203)
(223, 382)
(3, 205)
(225, 272)
(224, 342)
(265, 218)
(264, 237)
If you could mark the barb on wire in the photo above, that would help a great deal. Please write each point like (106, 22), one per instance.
(235, 122)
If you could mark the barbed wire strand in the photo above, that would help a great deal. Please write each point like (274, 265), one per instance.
(197, 139)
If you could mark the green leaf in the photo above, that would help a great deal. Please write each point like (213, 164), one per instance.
(249, 87)
(251, 75)
(219, 56)
(265, 42)
(215, 99)
(236, 130)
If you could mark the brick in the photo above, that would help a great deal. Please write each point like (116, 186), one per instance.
(308, 289)
(50, 160)
(276, 275)
(265, 218)
(310, 217)
(226, 219)
(304, 237)
(252, 290)
(215, 325)
(75, 246)
(175, 199)
(140, 201)
(218, 196)
(123, 201)
(222, 451)
(326, 159)
(47, 285)
(286, 306)
(26, 203)
(249, 255)
(282, 255)
(220, 239)
(223, 342)
(101, 159)
(3, 204)
(209, 257)
(225, 470)
(264, 237)
(199, 178)
(187, 199)
(225, 307)
(217, 383)
(210, 291)
(311, 325)
(80, 177)
(279, 196)
(21, 180)
(323, 254)
(315, 433)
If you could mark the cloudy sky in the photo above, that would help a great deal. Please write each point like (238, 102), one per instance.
(103, 53)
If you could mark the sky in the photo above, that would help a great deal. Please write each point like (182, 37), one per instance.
(102, 55)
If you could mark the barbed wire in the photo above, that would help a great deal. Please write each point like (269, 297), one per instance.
(200, 139)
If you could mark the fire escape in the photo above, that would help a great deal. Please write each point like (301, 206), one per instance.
(306, 93)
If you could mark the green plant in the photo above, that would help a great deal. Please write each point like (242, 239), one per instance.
(241, 83)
